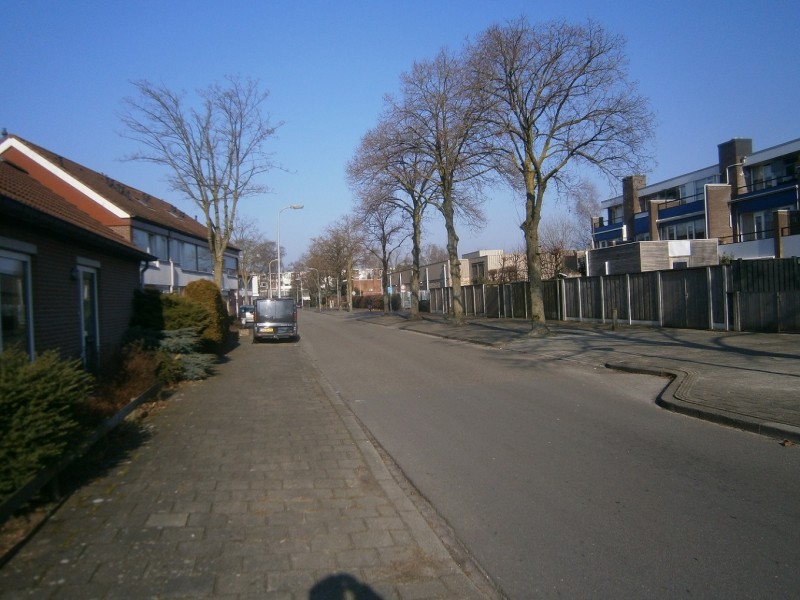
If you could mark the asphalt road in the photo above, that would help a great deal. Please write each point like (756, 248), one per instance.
(567, 481)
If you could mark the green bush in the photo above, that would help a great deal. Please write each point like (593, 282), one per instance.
(179, 342)
(148, 310)
(207, 294)
(41, 407)
(396, 301)
(180, 359)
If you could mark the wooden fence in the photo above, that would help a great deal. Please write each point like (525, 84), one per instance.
(753, 295)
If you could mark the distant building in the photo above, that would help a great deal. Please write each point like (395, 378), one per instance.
(748, 201)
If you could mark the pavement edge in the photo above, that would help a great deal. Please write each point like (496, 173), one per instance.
(674, 399)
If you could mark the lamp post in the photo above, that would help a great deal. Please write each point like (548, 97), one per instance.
(293, 207)
(270, 276)
(319, 293)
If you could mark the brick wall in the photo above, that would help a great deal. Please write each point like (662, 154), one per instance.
(56, 309)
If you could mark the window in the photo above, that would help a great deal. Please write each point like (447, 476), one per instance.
(204, 262)
(153, 243)
(175, 251)
(90, 327)
(189, 256)
(158, 246)
(231, 265)
(15, 302)
(478, 271)
(686, 230)
(141, 239)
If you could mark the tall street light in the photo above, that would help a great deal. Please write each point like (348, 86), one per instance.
(270, 276)
(293, 207)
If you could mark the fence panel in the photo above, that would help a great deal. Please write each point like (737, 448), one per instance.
(492, 308)
(685, 298)
(615, 297)
(644, 297)
(467, 295)
(592, 298)
(551, 292)
(519, 299)
(769, 275)
(789, 311)
(572, 291)
(758, 311)
(757, 295)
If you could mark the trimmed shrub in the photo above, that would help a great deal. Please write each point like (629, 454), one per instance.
(41, 407)
(180, 357)
(396, 301)
(207, 294)
(148, 310)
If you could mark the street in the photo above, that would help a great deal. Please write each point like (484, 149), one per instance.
(567, 480)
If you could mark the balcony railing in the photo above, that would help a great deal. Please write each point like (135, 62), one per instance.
(759, 185)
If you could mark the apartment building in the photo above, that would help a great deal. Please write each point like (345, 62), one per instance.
(746, 197)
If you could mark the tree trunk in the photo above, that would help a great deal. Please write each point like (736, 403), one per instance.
(530, 228)
(387, 299)
(457, 305)
(415, 252)
(350, 284)
(219, 265)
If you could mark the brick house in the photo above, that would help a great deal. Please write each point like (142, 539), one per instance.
(177, 241)
(66, 280)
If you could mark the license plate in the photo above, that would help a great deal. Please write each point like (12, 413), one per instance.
(266, 329)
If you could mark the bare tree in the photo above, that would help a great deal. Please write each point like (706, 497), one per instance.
(256, 251)
(512, 268)
(215, 152)
(585, 205)
(384, 235)
(563, 99)
(444, 111)
(556, 240)
(433, 253)
(334, 253)
(398, 176)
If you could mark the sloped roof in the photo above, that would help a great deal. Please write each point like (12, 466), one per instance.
(24, 197)
(136, 203)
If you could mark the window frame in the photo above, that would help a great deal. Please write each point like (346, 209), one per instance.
(27, 291)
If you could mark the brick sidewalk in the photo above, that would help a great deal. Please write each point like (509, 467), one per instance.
(253, 484)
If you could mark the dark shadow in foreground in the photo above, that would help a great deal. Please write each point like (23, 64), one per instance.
(342, 587)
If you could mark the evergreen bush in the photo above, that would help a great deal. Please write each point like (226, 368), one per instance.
(181, 360)
(155, 311)
(207, 294)
(396, 302)
(42, 404)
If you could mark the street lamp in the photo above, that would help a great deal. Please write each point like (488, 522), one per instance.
(293, 207)
(270, 276)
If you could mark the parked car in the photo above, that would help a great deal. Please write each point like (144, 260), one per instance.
(275, 318)
(246, 314)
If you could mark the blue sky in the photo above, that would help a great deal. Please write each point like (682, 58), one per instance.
(713, 70)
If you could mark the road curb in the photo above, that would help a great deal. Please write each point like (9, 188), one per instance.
(435, 538)
(673, 398)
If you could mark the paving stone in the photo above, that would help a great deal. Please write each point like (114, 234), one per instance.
(239, 495)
